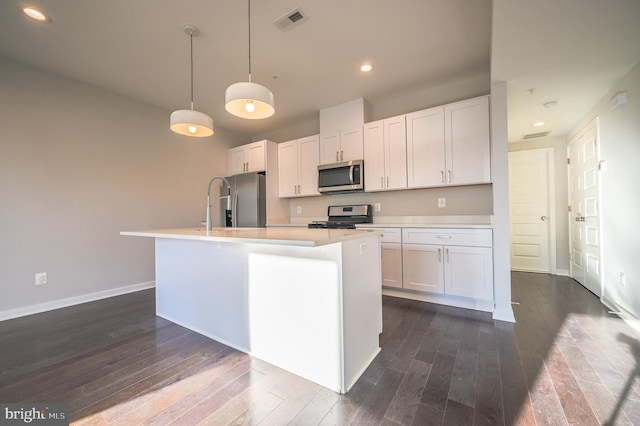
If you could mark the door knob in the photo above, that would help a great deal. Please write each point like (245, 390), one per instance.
(543, 218)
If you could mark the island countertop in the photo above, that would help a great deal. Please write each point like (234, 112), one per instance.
(301, 237)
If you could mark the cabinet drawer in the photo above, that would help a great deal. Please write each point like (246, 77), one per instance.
(392, 235)
(448, 236)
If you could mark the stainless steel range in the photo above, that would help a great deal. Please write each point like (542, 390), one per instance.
(345, 217)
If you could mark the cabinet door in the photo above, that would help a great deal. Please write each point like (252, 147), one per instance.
(351, 144)
(422, 268)
(308, 160)
(395, 153)
(288, 169)
(256, 157)
(237, 160)
(374, 156)
(391, 264)
(330, 148)
(467, 141)
(469, 272)
(425, 148)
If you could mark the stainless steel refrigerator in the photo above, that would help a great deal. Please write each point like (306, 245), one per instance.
(248, 201)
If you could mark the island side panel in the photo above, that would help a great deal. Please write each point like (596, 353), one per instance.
(362, 305)
(295, 316)
(202, 285)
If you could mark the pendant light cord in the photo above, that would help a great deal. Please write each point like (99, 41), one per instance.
(249, 13)
(191, 39)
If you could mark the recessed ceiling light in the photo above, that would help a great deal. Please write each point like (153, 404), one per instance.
(366, 67)
(539, 123)
(36, 14)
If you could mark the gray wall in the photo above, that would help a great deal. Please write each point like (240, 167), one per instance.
(77, 166)
(620, 192)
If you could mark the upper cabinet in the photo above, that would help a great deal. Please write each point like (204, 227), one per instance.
(385, 154)
(248, 158)
(298, 167)
(449, 145)
(341, 145)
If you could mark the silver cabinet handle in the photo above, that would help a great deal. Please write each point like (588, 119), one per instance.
(449, 176)
(299, 190)
(441, 176)
(337, 156)
(439, 255)
(447, 252)
(387, 181)
(341, 156)
(543, 218)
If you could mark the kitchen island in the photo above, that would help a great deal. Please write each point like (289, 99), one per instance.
(306, 300)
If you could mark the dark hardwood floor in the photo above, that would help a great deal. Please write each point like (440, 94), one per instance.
(565, 361)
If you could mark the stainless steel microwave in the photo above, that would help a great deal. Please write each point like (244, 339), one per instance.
(342, 177)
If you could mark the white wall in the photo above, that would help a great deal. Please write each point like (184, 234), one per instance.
(559, 145)
(77, 166)
(620, 192)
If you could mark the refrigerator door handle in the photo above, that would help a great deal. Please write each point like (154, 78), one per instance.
(234, 212)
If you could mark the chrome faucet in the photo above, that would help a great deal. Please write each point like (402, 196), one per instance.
(228, 197)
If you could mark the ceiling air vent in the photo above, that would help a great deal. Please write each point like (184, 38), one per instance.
(535, 135)
(290, 19)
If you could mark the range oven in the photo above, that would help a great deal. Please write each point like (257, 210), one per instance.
(345, 217)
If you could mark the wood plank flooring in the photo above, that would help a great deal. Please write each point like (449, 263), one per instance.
(565, 361)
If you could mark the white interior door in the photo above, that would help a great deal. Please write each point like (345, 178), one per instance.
(584, 215)
(531, 200)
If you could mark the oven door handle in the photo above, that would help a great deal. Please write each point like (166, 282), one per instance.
(351, 174)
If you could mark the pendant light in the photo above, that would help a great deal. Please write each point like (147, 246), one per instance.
(247, 99)
(187, 121)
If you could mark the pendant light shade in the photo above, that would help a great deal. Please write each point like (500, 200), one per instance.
(191, 123)
(247, 99)
(187, 121)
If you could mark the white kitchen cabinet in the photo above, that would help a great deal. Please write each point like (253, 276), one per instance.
(423, 269)
(248, 158)
(385, 154)
(425, 148)
(453, 262)
(298, 167)
(468, 142)
(391, 251)
(449, 145)
(341, 145)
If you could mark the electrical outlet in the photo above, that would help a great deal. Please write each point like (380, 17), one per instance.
(299, 209)
(376, 207)
(41, 278)
(442, 203)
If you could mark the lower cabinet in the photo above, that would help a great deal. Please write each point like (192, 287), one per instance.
(454, 262)
(391, 249)
(439, 261)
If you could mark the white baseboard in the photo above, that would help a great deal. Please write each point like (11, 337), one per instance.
(71, 301)
(562, 272)
(626, 316)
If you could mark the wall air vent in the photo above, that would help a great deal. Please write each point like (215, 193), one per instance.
(290, 19)
(535, 135)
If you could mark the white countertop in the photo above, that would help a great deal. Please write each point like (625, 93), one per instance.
(467, 221)
(281, 236)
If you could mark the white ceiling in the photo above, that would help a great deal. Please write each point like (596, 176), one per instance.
(570, 51)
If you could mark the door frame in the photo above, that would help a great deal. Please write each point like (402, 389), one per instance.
(551, 204)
